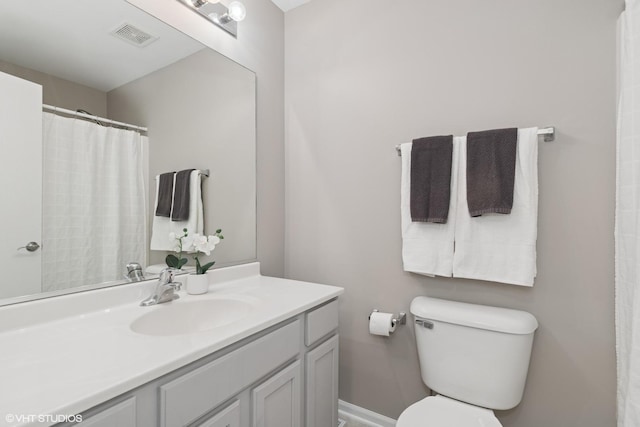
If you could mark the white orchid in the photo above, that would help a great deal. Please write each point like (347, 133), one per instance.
(205, 244)
(199, 243)
(188, 242)
(194, 243)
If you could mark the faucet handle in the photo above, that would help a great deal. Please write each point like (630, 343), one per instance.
(133, 266)
(167, 275)
(134, 272)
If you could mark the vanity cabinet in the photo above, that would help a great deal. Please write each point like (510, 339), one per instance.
(283, 376)
(195, 393)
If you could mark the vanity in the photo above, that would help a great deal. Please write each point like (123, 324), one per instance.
(255, 351)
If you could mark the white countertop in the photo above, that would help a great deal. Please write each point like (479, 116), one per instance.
(67, 354)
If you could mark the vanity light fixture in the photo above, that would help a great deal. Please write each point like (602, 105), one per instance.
(222, 16)
(198, 3)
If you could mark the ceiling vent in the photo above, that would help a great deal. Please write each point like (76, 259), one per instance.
(133, 35)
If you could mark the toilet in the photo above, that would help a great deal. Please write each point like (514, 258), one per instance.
(474, 357)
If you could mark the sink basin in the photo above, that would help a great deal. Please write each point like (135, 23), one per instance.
(186, 317)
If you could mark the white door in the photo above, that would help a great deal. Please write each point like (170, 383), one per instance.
(20, 185)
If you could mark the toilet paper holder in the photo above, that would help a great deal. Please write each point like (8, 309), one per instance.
(400, 319)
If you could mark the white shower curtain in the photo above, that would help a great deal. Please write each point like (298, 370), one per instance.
(94, 210)
(627, 231)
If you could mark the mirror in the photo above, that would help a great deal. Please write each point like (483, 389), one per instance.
(84, 190)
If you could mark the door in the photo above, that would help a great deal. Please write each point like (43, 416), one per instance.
(21, 189)
(276, 402)
(322, 385)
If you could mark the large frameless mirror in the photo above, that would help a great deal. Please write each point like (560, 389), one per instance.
(99, 99)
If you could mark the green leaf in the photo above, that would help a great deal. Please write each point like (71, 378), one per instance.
(175, 262)
(172, 261)
(218, 231)
(207, 266)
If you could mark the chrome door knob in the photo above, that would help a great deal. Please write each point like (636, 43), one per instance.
(31, 247)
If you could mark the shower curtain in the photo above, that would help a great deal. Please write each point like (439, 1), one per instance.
(94, 210)
(627, 229)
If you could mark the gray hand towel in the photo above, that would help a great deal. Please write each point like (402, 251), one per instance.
(182, 196)
(165, 194)
(491, 167)
(431, 179)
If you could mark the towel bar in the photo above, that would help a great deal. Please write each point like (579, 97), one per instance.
(549, 134)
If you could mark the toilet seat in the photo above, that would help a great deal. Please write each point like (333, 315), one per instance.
(440, 411)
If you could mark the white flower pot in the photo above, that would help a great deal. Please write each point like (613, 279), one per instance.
(197, 284)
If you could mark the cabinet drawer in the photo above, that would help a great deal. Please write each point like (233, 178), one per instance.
(320, 322)
(189, 397)
(228, 417)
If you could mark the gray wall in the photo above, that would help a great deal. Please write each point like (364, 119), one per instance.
(259, 47)
(201, 113)
(60, 92)
(361, 79)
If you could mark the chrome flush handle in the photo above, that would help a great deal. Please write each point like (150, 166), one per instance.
(424, 323)
(30, 247)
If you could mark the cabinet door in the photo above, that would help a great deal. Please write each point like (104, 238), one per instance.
(276, 402)
(228, 417)
(122, 415)
(322, 385)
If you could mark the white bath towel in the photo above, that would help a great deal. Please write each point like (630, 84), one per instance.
(497, 247)
(427, 248)
(162, 226)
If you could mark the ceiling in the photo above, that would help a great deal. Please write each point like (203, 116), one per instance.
(71, 39)
(287, 5)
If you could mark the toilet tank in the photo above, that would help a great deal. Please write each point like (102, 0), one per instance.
(474, 353)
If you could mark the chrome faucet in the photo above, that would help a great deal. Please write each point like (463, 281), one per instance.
(134, 272)
(165, 289)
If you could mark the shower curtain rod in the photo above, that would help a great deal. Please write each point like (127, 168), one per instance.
(549, 134)
(92, 117)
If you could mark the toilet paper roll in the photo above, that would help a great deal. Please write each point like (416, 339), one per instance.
(381, 324)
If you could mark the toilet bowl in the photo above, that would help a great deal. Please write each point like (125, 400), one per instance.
(441, 411)
(475, 357)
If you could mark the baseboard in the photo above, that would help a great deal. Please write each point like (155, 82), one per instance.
(355, 414)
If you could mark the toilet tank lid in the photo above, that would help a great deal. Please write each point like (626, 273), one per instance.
(475, 316)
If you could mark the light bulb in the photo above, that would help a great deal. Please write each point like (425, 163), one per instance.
(237, 11)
